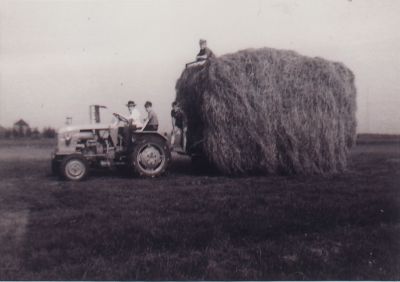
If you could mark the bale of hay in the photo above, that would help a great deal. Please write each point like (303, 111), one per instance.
(270, 111)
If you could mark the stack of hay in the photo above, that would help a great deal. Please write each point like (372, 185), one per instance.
(270, 111)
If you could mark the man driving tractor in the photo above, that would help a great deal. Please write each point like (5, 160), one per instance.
(132, 121)
(134, 115)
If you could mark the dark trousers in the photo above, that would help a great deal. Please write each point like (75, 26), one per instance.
(128, 129)
(151, 127)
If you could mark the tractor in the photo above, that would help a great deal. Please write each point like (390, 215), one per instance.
(85, 147)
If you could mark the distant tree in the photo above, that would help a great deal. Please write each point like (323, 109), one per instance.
(28, 132)
(49, 132)
(20, 132)
(35, 133)
(15, 133)
(8, 133)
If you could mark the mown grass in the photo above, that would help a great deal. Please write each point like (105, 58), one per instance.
(189, 226)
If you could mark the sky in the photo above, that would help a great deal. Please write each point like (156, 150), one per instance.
(59, 57)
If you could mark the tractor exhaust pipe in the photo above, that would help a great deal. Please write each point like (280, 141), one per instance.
(94, 113)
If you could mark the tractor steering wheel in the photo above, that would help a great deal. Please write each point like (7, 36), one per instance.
(121, 118)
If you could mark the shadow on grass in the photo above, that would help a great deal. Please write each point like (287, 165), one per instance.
(179, 166)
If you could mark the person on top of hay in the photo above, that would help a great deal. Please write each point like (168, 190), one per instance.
(178, 125)
(152, 120)
(204, 54)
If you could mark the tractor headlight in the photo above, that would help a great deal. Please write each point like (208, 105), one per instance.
(67, 137)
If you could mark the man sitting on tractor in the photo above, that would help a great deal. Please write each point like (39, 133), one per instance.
(132, 122)
(152, 120)
(134, 115)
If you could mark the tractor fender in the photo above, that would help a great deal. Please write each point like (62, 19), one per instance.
(145, 134)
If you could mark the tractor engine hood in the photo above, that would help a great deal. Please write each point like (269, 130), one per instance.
(74, 128)
(69, 136)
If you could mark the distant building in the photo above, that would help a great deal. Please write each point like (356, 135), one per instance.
(21, 128)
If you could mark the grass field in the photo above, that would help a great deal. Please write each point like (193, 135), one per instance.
(191, 226)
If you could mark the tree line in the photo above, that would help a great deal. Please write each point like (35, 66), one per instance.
(46, 132)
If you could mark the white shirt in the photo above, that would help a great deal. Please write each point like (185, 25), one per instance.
(135, 117)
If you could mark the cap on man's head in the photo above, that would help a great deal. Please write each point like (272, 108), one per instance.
(201, 41)
(131, 103)
(148, 104)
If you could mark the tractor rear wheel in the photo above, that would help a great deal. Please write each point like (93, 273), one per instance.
(74, 168)
(150, 157)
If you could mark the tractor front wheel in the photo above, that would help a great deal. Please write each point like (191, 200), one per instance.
(74, 168)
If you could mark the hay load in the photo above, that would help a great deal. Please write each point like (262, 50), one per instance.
(268, 111)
